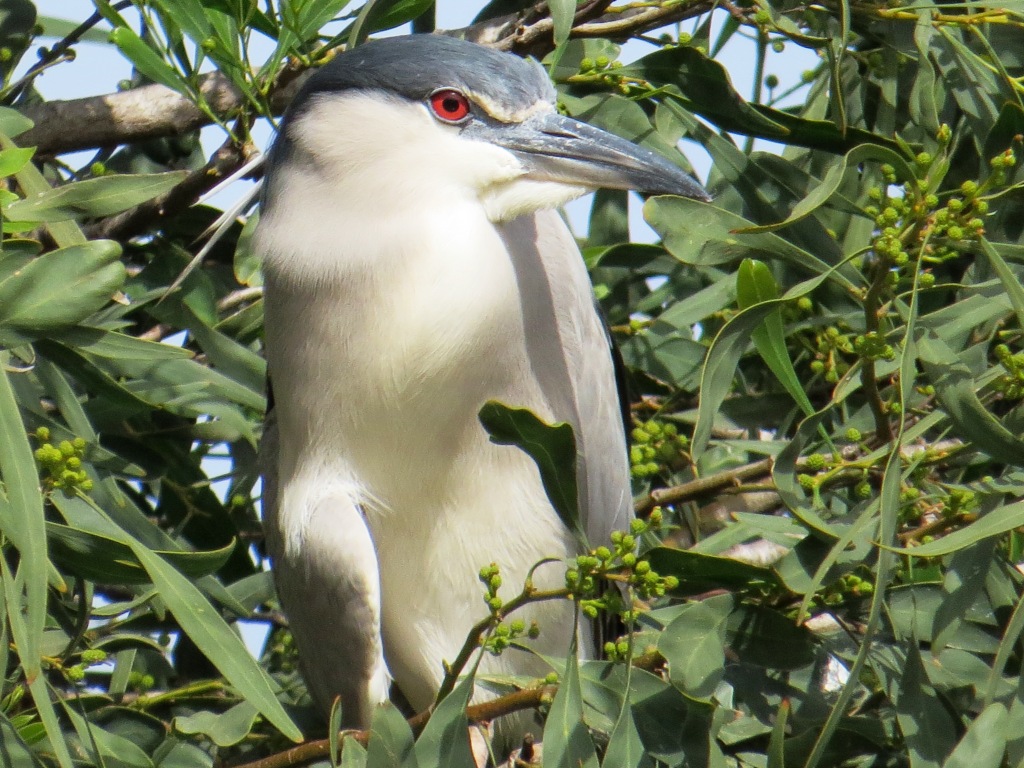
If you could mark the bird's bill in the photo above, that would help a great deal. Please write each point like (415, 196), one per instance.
(557, 148)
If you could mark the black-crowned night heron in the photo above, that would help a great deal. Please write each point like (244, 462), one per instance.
(415, 268)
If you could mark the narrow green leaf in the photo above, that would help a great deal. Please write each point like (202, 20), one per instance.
(93, 198)
(837, 174)
(147, 61)
(41, 696)
(700, 572)
(955, 390)
(993, 523)
(704, 235)
(562, 14)
(32, 181)
(363, 25)
(566, 738)
(755, 284)
(14, 159)
(13, 750)
(13, 123)
(777, 741)
(106, 559)
(211, 634)
(334, 732)
(1009, 280)
(21, 520)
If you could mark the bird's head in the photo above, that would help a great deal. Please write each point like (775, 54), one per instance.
(427, 115)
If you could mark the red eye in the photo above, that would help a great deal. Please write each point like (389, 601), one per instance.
(449, 105)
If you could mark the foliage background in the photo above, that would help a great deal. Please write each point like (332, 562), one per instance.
(826, 365)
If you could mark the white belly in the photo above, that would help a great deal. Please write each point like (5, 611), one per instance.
(399, 382)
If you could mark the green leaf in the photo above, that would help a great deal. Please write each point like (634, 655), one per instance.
(754, 285)
(13, 750)
(694, 646)
(703, 235)
(353, 754)
(14, 159)
(223, 729)
(147, 61)
(955, 390)
(59, 289)
(776, 744)
(13, 123)
(993, 523)
(391, 741)
(551, 446)
(1014, 290)
(109, 560)
(445, 739)
(566, 738)
(700, 572)
(837, 174)
(562, 14)
(211, 634)
(625, 749)
(21, 520)
(984, 743)
(93, 198)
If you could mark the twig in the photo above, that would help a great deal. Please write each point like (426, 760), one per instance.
(703, 486)
(49, 56)
(527, 596)
(240, 296)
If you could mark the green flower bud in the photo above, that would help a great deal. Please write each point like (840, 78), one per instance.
(93, 656)
(816, 461)
(75, 673)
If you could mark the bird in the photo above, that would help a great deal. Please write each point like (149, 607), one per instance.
(416, 266)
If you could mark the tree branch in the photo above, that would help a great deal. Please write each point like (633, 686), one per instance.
(703, 486)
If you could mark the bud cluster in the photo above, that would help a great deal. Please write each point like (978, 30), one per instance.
(657, 447)
(62, 463)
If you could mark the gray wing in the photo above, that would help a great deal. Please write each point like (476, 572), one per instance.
(572, 360)
(329, 590)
